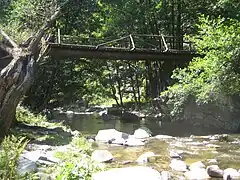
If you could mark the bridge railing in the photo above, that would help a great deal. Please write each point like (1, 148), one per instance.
(131, 42)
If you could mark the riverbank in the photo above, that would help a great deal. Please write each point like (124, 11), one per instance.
(54, 150)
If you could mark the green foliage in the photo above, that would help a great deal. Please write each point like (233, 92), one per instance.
(77, 163)
(24, 115)
(12, 147)
(78, 169)
(82, 144)
(217, 74)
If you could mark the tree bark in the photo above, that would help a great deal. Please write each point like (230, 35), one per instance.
(17, 76)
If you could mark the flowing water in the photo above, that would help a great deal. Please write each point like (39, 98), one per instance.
(191, 148)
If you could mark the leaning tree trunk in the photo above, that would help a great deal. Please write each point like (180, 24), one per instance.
(17, 76)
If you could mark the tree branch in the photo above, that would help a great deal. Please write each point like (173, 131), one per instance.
(8, 39)
(35, 41)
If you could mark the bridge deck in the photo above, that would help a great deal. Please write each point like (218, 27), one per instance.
(88, 51)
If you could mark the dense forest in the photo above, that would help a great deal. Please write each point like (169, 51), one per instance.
(212, 26)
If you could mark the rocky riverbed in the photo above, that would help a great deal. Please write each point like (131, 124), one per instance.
(136, 153)
(143, 156)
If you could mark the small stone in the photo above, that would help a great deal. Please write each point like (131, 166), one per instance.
(196, 174)
(102, 156)
(212, 161)
(220, 137)
(197, 164)
(178, 165)
(231, 174)
(165, 175)
(214, 171)
(175, 155)
(126, 162)
(144, 158)
(212, 146)
(91, 140)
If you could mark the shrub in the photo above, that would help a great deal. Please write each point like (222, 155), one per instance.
(80, 168)
(12, 147)
(26, 116)
(216, 75)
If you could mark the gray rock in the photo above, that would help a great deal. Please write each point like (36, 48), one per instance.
(174, 155)
(197, 174)
(231, 174)
(142, 133)
(212, 146)
(130, 117)
(129, 173)
(26, 166)
(144, 158)
(134, 142)
(214, 171)
(114, 111)
(212, 161)
(33, 155)
(102, 156)
(178, 165)
(110, 134)
(120, 141)
(164, 137)
(197, 164)
(220, 137)
(165, 175)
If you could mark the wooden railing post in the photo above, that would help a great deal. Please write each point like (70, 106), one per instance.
(59, 37)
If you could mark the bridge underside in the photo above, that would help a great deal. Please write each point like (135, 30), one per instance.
(112, 53)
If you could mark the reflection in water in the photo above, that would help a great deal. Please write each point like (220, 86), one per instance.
(92, 123)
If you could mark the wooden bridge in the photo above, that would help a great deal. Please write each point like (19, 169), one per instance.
(131, 47)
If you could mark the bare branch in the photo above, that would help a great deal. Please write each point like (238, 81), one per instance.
(8, 39)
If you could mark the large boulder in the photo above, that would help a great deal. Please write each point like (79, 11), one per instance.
(231, 174)
(178, 165)
(110, 135)
(214, 171)
(129, 173)
(142, 133)
(197, 165)
(129, 117)
(196, 174)
(102, 156)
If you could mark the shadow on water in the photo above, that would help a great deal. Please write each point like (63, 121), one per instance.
(91, 124)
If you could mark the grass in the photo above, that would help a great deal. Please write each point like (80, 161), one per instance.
(75, 163)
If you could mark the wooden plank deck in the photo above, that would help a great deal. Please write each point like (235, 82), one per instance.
(113, 53)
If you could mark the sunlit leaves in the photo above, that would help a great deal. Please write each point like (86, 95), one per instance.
(216, 74)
